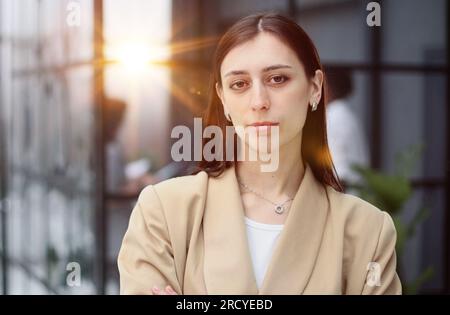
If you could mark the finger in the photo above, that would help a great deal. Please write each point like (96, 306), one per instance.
(156, 290)
(170, 291)
(160, 293)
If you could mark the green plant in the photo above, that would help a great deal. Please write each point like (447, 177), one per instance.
(390, 192)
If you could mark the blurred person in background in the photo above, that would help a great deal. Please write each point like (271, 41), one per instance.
(118, 180)
(346, 137)
(115, 161)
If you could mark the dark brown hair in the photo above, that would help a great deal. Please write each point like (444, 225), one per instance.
(314, 148)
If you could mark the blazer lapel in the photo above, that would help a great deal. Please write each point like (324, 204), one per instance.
(228, 267)
(298, 245)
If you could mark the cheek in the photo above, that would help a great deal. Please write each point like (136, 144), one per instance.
(237, 104)
(295, 103)
(297, 92)
(294, 107)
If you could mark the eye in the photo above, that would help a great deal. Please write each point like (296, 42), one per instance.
(278, 79)
(238, 85)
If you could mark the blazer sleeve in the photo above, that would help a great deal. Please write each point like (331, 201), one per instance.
(146, 257)
(382, 277)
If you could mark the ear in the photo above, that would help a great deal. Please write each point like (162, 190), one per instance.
(316, 87)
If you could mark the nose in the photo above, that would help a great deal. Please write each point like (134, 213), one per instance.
(259, 98)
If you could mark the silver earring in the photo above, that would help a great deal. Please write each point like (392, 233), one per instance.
(313, 106)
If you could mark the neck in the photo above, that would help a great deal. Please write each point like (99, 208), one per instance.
(284, 181)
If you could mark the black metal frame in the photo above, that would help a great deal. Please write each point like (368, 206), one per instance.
(3, 189)
(101, 211)
(3, 202)
(447, 173)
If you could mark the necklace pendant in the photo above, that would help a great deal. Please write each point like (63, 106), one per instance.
(279, 209)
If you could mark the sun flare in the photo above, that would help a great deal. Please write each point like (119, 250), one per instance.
(136, 56)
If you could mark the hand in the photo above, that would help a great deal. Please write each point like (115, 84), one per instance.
(167, 291)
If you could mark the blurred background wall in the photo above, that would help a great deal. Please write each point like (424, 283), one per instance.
(88, 103)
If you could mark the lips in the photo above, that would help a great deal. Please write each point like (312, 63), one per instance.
(264, 123)
(262, 128)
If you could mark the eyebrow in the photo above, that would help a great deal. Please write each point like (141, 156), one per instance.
(266, 69)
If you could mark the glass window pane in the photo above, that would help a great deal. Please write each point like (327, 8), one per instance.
(424, 249)
(412, 28)
(50, 146)
(412, 107)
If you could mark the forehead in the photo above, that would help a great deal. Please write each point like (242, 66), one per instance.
(262, 51)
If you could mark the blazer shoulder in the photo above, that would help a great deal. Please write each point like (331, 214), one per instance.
(175, 192)
(183, 186)
(356, 212)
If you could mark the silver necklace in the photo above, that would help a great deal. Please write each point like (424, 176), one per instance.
(279, 207)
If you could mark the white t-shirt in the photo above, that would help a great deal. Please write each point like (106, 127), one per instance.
(262, 239)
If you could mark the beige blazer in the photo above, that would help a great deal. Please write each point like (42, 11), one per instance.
(189, 232)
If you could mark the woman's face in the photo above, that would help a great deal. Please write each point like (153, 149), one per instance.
(264, 81)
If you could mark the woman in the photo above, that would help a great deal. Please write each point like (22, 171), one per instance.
(232, 228)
